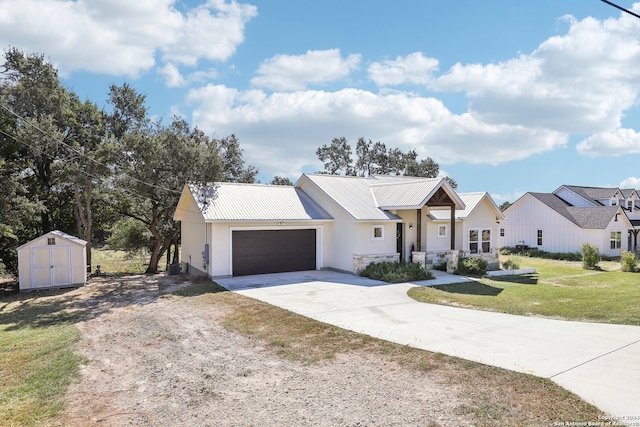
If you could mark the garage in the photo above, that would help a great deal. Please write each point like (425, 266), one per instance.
(53, 260)
(273, 251)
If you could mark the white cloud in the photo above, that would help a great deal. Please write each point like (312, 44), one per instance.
(617, 143)
(509, 197)
(283, 129)
(296, 72)
(414, 68)
(580, 82)
(631, 182)
(123, 37)
(172, 76)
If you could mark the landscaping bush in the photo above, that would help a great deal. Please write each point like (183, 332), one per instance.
(536, 253)
(511, 264)
(628, 261)
(475, 266)
(590, 255)
(396, 272)
(441, 266)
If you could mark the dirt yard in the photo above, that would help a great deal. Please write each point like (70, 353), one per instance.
(154, 359)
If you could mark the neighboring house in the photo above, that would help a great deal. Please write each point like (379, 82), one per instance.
(562, 221)
(331, 222)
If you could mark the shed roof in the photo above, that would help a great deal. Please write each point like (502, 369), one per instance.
(59, 234)
(224, 201)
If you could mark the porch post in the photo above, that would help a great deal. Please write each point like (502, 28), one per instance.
(453, 227)
(419, 231)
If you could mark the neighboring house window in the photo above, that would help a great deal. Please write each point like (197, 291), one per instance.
(502, 232)
(377, 232)
(539, 237)
(616, 239)
(614, 202)
(479, 240)
(630, 204)
(443, 232)
(51, 240)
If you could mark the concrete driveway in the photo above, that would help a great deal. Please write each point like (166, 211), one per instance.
(599, 362)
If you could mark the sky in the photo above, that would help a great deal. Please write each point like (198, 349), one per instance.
(507, 96)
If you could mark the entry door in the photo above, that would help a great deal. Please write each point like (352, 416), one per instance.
(50, 266)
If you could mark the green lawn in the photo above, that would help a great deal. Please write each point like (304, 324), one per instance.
(560, 289)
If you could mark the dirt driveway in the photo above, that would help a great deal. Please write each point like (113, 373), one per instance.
(156, 359)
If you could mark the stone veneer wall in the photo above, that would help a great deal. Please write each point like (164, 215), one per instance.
(431, 259)
(361, 261)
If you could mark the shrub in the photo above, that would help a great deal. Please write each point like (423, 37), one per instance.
(475, 266)
(628, 261)
(511, 264)
(537, 253)
(396, 272)
(590, 255)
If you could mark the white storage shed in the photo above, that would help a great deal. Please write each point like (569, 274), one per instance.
(53, 260)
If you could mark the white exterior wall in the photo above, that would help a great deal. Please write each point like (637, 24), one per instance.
(77, 267)
(346, 237)
(572, 198)
(621, 226)
(483, 217)
(528, 215)
(193, 236)
(220, 261)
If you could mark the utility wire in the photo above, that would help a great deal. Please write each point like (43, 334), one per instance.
(80, 153)
(621, 8)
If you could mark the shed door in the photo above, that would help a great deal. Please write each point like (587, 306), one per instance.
(50, 266)
(273, 251)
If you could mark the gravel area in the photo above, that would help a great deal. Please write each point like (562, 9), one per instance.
(153, 359)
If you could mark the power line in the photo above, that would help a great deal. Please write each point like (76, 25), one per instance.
(621, 8)
(80, 153)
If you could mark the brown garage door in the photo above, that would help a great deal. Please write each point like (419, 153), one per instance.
(273, 251)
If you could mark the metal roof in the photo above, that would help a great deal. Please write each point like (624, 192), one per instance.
(371, 198)
(471, 200)
(408, 195)
(353, 194)
(224, 201)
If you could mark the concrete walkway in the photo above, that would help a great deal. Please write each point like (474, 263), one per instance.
(599, 362)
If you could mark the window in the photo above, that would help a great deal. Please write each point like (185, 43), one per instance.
(539, 237)
(479, 241)
(443, 232)
(616, 239)
(502, 232)
(630, 204)
(377, 232)
(51, 240)
(614, 202)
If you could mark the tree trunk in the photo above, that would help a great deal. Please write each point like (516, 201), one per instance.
(82, 210)
(176, 250)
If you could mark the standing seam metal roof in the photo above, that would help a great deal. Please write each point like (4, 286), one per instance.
(224, 201)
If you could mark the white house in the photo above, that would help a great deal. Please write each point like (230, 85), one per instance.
(608, 218)
(53, 260)
(331, 222)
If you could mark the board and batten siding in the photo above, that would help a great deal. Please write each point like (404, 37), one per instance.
(528, 215)
(572, 198)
